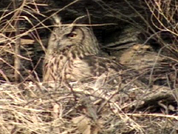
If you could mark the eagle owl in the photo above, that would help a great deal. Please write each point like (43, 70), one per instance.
(73, 54)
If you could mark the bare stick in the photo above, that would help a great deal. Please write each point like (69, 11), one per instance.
(17, 45)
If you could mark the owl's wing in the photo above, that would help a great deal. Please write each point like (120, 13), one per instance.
(113, 72)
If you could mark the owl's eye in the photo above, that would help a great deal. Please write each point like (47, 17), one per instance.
(72, 35)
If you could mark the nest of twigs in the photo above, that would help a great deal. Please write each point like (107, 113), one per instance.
(36, 108)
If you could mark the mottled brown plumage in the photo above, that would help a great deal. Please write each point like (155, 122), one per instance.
(73, 54)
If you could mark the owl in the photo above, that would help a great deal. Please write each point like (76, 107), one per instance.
(73, 54)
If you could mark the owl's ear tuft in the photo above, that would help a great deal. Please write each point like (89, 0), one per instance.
(56, 19)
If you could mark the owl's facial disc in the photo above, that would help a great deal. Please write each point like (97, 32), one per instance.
(69, 39)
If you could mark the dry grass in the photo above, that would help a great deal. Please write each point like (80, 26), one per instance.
(39, 108)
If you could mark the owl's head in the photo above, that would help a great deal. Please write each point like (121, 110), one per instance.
(73, 39)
